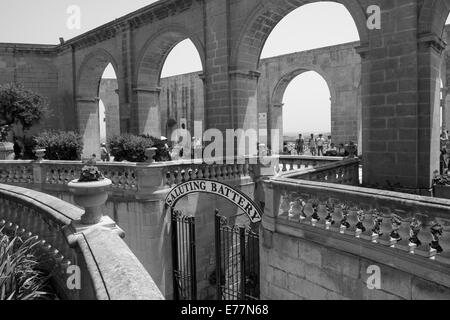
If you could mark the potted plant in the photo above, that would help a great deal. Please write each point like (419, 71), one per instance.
(90, 192)
(441, 186)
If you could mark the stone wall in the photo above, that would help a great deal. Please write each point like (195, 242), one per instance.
(293, 268)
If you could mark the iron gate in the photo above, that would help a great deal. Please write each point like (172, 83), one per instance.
(183, 256)
(237, 259)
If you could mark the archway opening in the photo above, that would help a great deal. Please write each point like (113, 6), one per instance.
(182, 91)
(109, 115)
(324, 41)
(306, 97)
(169, 91)
(97, 102)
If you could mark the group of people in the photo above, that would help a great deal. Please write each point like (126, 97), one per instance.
(445, 152)
(319, 146)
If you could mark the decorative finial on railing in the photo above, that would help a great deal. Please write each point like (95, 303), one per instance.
(361, 216)
(394, 235)
(329, 218)
(315, 216)
(295, 209)
(414, 229)
(377, 220)
(436, 232)
(344, 225)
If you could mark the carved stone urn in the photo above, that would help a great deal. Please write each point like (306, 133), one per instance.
(40, 154)
(91, 196)
(150, 153)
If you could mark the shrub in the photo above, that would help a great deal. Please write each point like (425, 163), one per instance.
(129, 147)
(21, 274)
(19, 106)
(60, 145)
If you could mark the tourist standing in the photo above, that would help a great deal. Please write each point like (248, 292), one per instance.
(104, 154)
(299, 144)
(320, 144)
(312, 145)
(17, 149)
(341, 151)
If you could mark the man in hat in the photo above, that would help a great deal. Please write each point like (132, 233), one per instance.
(104, 154)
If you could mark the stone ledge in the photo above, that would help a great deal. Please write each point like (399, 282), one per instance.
(418, 266)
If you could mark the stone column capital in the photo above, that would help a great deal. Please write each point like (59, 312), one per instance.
(147, 89)
(433, 41)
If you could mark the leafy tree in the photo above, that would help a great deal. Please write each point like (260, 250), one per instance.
(19, 106)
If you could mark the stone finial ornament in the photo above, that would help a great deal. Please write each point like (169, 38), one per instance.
(295, 209)
(377, 220)
(329, 218)
(315, 216)
(414, 229)
(345, 212)
(361, 216)
(436, 232)
(394, 235)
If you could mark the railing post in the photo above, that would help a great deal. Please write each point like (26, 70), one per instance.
(242, 262)
(218, 254)
(193, 258)
(174, 235)
(39, 174)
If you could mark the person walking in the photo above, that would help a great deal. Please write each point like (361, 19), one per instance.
(312, 145)
(299, 144)
(320, 144)
(104, 154)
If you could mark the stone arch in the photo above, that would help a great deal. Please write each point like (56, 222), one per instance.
(278, 91)
(146, 86)
(432, 17)
(285, 80)
(266, 15)
(88, 87)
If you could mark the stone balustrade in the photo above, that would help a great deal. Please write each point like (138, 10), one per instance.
(291, 163)
(345, 171)
(321, 237)
(139, 178)
(410, 224)
(108, 269)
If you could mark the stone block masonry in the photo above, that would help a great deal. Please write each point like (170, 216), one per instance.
(294, 268)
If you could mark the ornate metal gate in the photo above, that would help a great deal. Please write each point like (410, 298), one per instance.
(183, 256)
(237, 259)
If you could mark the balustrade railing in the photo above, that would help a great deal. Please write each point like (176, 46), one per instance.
(61, 242)
(345, 171)
(325, 199)
(290, 163)
(55, 175)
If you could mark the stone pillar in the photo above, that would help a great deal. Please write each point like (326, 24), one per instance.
(276, 122)
(88, 126)
(431, 47)
(147, 118)
(125, 86)
(397, 119)
(243, 86)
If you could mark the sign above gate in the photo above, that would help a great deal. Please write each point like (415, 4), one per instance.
(235, 196)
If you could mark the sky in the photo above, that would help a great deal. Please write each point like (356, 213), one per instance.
(307, 103)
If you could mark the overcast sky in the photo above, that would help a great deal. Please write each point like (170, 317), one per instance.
(307, 99)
